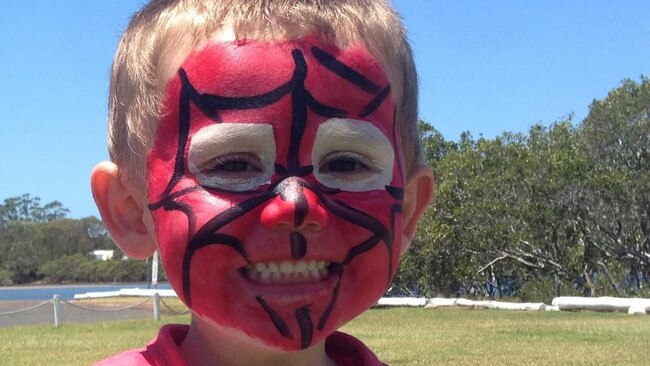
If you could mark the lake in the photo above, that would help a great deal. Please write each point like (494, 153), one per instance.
(65, 292)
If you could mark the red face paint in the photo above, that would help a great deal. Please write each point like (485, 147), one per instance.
(270, 217)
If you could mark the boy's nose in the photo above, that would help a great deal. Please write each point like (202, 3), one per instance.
(295, 208)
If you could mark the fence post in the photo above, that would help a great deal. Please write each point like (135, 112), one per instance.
(156, 306)
(57, 311)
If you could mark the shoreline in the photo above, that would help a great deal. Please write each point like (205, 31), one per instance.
(70, 290)
(38, 286)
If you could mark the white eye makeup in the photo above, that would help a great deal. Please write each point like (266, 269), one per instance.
(233, 156)
(352, 155)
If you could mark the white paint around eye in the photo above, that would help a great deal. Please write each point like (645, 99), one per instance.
(356, 136)
(220, 139)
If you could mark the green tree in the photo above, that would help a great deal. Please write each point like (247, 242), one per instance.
(615, 214)
(32, 235)
(28, 209)
(63, 269)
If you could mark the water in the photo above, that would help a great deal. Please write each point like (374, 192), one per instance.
(65, 292)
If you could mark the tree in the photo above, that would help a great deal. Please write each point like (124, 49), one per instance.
(28, 209)
(615, 215)
(32, 235)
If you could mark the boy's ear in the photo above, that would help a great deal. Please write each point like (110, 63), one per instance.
(418, 193)
(121, 209)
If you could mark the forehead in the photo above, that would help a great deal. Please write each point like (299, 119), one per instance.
(349, 79)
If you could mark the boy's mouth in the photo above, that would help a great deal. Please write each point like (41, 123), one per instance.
(287, 272)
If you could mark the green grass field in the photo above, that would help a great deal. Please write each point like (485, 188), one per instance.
(400, 336)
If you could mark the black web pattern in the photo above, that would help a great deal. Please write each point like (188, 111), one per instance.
(290, 176)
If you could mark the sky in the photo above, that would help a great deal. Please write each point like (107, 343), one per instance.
(485, 67)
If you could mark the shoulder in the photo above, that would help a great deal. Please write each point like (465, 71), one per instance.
(164, 349)
(346, 350)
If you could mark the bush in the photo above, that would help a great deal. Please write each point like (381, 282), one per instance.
(83, 269)
(6, 277)
(62, 269)
(130, 270)
(544, 290)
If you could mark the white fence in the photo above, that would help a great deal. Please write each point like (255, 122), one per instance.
(629, 305)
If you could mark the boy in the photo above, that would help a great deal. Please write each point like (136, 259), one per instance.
(269, 151)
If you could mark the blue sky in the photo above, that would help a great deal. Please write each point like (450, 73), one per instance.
(485, 67)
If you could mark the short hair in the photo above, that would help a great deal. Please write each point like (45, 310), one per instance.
(166, 30)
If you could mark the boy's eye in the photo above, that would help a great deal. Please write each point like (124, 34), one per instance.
(236, 171)
(342, 165)
(235, 157)
(233, 163)
(345, 164)
(352, 155)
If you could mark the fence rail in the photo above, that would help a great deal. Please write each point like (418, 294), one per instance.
(632, 306)
(13, 312)
(58, 313)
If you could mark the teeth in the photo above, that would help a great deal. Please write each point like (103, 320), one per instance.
(286, 267)
(287, 272)
(300, 267)
(273, 267)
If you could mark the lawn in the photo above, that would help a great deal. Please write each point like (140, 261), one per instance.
(401, 336)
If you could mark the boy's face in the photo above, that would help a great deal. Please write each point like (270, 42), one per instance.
(275, 186)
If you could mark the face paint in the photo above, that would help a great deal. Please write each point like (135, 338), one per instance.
(275, 186)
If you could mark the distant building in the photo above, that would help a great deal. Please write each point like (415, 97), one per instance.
(102, 255)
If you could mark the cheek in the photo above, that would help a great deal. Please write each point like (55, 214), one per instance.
(177, 222)
(366, 277)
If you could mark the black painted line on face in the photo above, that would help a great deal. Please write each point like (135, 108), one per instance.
(298, 245)
(327, 190)
(358, 218)
(171, 197)
(381, 234)
(303, 316)
(344, 71)
(375, 102)
(395, 192)
(208, 235)
(183, 134)
(210, 104)
(280, 325)
(233, 213)
(362, 219)
(322, 109)
(298, 110)
(257, 190)
(361, 248)
(330, 306)
(302, 207)
(291, 189)
(196, 97)
(202, 242)
(187, 210)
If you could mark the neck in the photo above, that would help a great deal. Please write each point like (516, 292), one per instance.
(209, 344)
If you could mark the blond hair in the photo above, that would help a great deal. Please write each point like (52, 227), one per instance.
(166, 31)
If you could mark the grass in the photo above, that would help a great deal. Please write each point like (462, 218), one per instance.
(491, 337)
(400, 336)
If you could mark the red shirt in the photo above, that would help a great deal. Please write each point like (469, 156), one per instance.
(342, 348)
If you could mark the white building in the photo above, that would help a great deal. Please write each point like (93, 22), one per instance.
(102, 255)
